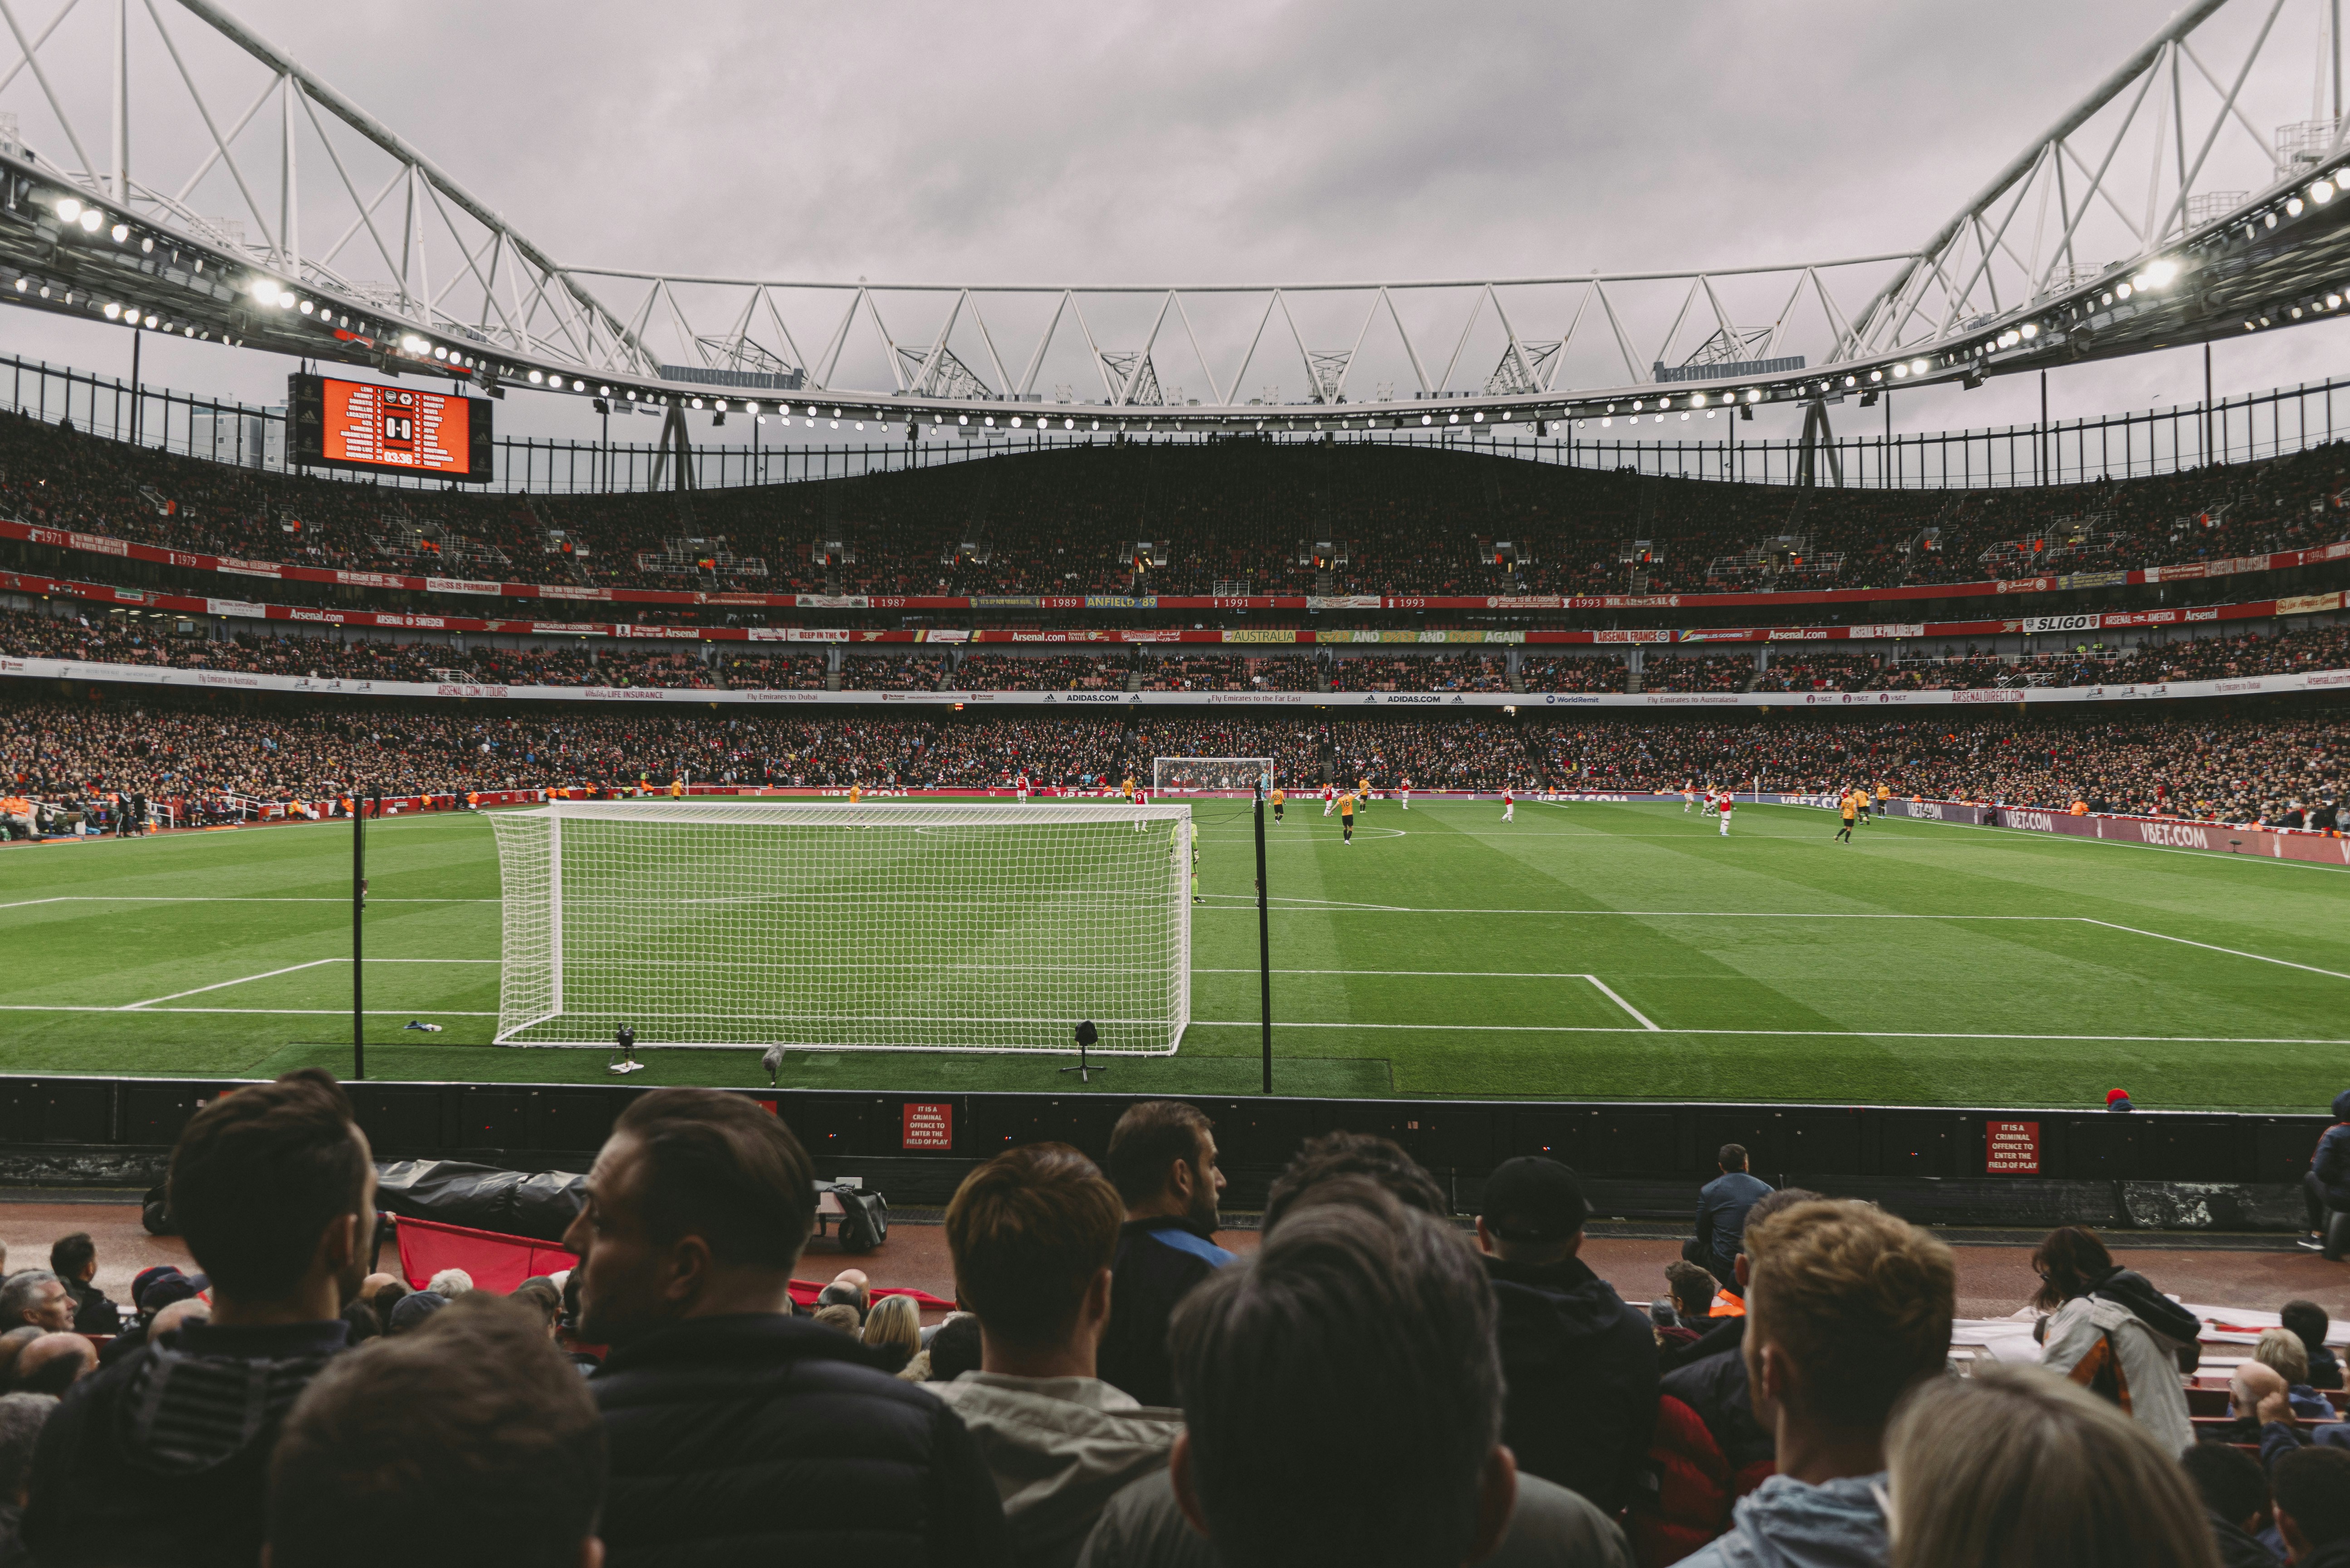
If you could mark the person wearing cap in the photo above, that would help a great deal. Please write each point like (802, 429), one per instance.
(1581, 1366)
(2118, 1100)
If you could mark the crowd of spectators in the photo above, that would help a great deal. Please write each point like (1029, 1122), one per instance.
(1045, 673)
(1401, 520)
(1116, 1388)
(1697, 671)
(1572, 672)
(1809, 671)
(891, 672)
(1419, 672)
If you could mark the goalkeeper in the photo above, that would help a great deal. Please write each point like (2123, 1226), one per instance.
(1195, 865)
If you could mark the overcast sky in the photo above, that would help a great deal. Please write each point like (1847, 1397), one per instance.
(1201, 142)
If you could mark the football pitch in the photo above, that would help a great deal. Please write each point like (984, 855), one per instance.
(1591, 950)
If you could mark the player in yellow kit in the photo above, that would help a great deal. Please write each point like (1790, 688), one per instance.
(1346, 816)
(855, 791)
(1845, 807)
(1279, 795)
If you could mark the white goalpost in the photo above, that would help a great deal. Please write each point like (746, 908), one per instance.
(846, 928)
(1209, 775)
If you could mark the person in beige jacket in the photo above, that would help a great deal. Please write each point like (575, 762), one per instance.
(1032, 1234)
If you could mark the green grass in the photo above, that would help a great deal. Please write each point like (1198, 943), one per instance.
(1444, 952)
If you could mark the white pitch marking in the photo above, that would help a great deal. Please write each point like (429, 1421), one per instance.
(1448, 974)
(255, 1012)
(1619, 1001)
(201, 898)
(2208, 946)
(219, 985)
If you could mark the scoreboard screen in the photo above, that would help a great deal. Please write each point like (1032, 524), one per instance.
(390, 429)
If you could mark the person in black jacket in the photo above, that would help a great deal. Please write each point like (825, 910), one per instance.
(164, 1456)
(740, 1433)
(1581, 1366)
(2325, 1186)
(2235, 1494)
(1711, 1376)
(1163, 1160)
(2311, 1488)
(74, 1260)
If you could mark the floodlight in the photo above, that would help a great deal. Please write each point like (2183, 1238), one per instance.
(113, 312)
(120, 233)
(606, 391)
(151, 321)
(147, 246)
(960, 419)
(1478, 417)
(722, 405)
(1697, 401)
(21, 285)
(2268, 220)
(2158, 273)
(1636, 405)
(68, 210)
(1899, 372)
(2029, 329)
(536, 377)
(1684, 414)
(91, 218)
(307, 307)
(2292, 209)
(751, 408)
(1452, 419)
(2321, 192)
(1754, 395)
(1016, 421)
(440, 353)
(2333, 301)
(697, 402)
(1069, 424)
(1604, 423)
(1426, 419)
(2121, 291)
(578, 386)
(1709, 413)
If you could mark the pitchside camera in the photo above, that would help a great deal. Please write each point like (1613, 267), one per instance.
(1086, 1037)
(625, 1037)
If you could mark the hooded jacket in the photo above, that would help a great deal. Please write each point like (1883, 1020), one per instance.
(2330, 1163)
(1786, 1523)
(2123, 1340)
(1581, 1369)
(756, 1437)
(1160, 1258)
(1059, 1449)
(2239, 1549)
(164, 1455)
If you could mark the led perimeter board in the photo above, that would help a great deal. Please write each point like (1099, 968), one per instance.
(389, 429)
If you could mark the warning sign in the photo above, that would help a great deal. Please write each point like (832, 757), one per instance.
(928, 1126)
(2012, 1148)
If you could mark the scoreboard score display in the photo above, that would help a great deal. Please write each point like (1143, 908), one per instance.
(389, 429)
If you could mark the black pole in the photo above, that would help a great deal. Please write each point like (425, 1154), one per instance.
(1263, 946)
(2206, 453)
(358, 903)
(135, 336)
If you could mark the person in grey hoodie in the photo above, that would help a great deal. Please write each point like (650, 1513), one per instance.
(1847, 1308)
(1032, 1234)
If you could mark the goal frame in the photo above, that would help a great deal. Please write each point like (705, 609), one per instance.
(512, 826)
(1264, 772)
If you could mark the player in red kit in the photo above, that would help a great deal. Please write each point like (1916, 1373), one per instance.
(1509, 804)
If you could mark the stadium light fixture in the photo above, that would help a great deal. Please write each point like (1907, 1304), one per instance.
(1636, 405)
(1016, 421)
(120, 233)
(113, 311)
(151, 321)
(68, 210)
(92, 219)
(2028, 331)
(2321, 192)
(536, 376)
(1426, 419)
(2292, 208)
(697, 402)
(1754, 394)
(1877, 375)
(578, 386)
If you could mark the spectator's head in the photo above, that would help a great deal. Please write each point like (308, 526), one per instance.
(2310, 1490)
(1533, 1211)
(1770, 1203)
(414, 1311)
(841, 1294)
(375, 1285)
(2259, 1392)
(21, 1418)
(176, 1315)
(360, 1315)
(1692, 1287)
(698, 1205)
(1846, 1308)
(474, 1422)
(959, 1346)
(1162, 1159)
(894, 1322)
(274, 1190)
(839, 1315)
(2231, 1483)
(1350, 1311)
(35, 1298)
(2281, 1348)
(449, 1283)
(54, 1363)
(1731, 1157)
(2018, 1467)
(1032, 1234)
(2308, 1322)
(385, 1297)
(12, 1345)
(74, 1257)
(540, 1295)
(2071, 1262)
(1333, 1155)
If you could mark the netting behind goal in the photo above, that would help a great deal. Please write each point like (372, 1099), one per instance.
(835, 927)
(1209, 775)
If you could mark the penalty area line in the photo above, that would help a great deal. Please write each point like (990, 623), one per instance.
(1779, 1033)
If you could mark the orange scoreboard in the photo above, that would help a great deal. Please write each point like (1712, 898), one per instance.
(389, 429)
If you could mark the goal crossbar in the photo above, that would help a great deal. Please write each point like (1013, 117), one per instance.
(830, 926)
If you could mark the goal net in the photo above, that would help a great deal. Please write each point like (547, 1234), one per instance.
(851, 927)
(1209, 775)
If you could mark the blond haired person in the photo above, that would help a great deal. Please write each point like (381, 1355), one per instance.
(2018, 1467)
(893, 1329)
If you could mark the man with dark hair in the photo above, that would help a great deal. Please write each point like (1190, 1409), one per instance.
(1721, 1206)
(2309, 1322)
(1356, 1308)
(1847, 1309)
(35, 1298)
(2325, 1185)
(1032, 1234)
(74, 1260)
(1163, 1160)
(474, 1422)
(738, 1431)
(2236, 1496)
(2312, 1492)
(165, 1454)
(1355, 1154)
(1581, 1365)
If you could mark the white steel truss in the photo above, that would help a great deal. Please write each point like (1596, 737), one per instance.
(2228, 107)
